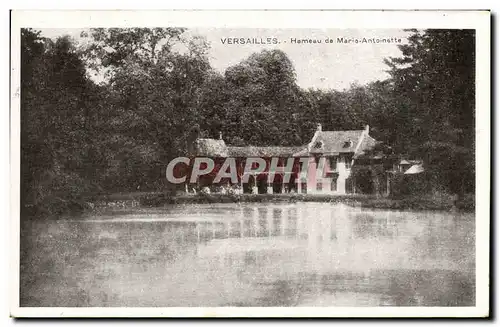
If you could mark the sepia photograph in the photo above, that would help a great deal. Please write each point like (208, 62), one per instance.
(208, 167)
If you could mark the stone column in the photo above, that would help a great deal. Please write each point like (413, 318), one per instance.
(270, 188)
(255, 189)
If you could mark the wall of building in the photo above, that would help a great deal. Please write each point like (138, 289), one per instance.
(319, 182)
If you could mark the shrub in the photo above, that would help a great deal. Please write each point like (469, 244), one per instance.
(155, 199)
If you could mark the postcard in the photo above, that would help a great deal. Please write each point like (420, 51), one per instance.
(250, 163)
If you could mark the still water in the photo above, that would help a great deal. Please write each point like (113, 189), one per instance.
(300, 254)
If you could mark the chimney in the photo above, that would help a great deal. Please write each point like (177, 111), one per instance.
(367, 129)
(319, 128)
(220, 135)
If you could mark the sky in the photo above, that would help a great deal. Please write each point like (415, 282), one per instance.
(322, 65)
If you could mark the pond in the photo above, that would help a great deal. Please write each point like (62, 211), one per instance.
(294, 254)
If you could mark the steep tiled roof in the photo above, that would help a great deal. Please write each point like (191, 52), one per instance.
(262, 151)
(367, 144)
(327, 142)
(218, 148)
(336, 141)
(302, 152)
(415, 169)
(210, 148)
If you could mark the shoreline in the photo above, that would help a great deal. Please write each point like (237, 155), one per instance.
(443, 203)
(96, 205)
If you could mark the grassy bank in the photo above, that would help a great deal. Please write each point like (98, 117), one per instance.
(446, 203)
(118, 202)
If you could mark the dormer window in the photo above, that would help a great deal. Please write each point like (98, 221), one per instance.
(347, 144)
(318, 145)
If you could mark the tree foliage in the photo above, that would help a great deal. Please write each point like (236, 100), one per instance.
(58, 107)
(434, 84)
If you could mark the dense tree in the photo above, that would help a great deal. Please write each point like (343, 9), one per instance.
(434, 85)
(154, 97)
(58, 104)
(263, 92)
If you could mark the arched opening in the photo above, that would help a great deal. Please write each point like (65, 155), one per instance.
(247, 187)
(262, 185)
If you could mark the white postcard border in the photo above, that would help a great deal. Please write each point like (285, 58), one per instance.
(478, 20)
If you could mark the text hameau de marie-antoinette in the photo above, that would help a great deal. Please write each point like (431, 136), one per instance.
(292, 40)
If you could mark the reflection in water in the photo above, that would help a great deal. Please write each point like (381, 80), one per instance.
(304, 254)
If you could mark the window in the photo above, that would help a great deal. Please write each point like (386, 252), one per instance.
(318, 145)
(319, 186)
(347, 144)
(333, 186)
(333, 163)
